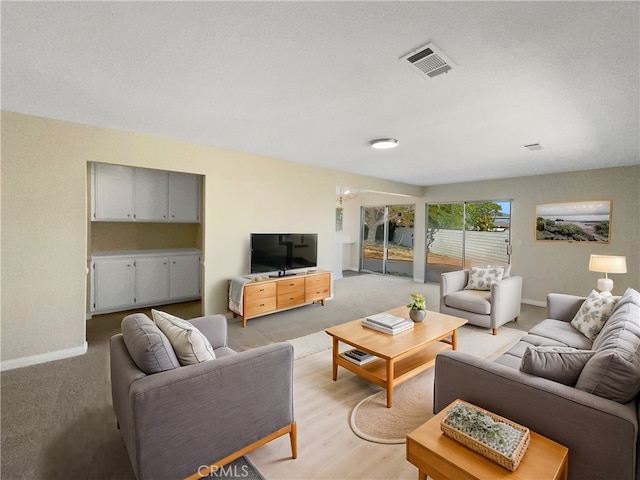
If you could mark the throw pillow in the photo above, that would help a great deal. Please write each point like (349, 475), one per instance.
(190, 345)
(594, 313)
(148, 347)
(481, 278)
(560, 364)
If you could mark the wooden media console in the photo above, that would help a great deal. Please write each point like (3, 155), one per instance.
(283, 293)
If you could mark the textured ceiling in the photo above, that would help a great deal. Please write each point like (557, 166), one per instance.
(314, 82)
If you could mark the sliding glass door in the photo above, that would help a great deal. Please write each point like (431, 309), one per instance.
(463, 234)
(387, 239)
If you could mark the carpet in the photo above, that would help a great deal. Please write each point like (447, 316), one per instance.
(413, 400)
(240, 468)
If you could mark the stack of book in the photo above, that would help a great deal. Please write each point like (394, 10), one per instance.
(387, 323)
(358, 356)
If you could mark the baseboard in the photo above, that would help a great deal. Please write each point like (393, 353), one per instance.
(43, 358)
(535, 303)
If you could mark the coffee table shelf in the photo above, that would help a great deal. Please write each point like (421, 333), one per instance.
(404, 369)
(401, 356)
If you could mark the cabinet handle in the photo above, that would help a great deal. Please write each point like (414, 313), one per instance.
(262, 304)
(262, 289)
(173, 216)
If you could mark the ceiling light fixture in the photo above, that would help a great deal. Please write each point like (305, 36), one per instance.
(384, 143)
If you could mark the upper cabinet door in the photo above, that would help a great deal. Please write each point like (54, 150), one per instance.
(184, 197)
(152, 195)
(113, 193)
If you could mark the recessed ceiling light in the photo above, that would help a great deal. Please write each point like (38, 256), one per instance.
(384, 143)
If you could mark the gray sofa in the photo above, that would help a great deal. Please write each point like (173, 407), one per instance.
(597, 418)
(177, 420)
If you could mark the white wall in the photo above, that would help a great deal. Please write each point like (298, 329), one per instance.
(44, 219)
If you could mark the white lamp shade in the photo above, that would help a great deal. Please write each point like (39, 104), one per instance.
(608, 264)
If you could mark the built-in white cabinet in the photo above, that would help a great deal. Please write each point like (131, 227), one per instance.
(152, 279)
(184, 197)
(151, 195)
(183, 284)
(130, 194)
(125, 280)
(114, 283)
(113, 193)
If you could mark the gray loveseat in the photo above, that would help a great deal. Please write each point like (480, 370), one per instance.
(177, 420)
(600, 428)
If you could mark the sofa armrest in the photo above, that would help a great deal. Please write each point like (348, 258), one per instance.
(452, 282)
(600, 434)
(198, 414)
(506, 300)
(214, 327)
(561, 306)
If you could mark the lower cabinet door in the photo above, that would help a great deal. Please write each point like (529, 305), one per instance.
(113, 283)
(152, 279)
(184, 276)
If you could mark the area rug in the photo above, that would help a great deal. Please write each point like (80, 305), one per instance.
(413, 400)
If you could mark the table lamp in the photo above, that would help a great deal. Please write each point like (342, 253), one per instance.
(607, 264)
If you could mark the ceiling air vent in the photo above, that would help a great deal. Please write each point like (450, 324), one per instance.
(532, 147)
(429, 60)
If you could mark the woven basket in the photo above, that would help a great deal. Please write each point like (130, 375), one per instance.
(510, 463)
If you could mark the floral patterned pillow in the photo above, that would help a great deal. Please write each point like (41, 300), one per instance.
(481, 278)
(594, 313)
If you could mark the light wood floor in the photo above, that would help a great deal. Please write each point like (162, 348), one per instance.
(327, 448)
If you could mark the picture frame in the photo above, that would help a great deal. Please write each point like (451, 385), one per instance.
(574, 222)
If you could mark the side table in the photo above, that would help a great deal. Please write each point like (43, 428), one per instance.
(442, 458)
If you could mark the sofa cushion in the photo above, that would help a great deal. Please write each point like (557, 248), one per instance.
(481, 278)
(190, 345)
(614, 371)
(594, 313)
(149, 348)
(560, 364)
(476, 301)
(557, 332)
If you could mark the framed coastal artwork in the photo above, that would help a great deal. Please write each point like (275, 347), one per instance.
(574, 222)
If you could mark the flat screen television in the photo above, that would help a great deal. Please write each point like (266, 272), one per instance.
(279, 252)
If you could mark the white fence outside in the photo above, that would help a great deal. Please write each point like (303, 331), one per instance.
(480, 247)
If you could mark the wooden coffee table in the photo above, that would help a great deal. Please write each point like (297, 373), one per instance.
(441, 457)
(401, 356)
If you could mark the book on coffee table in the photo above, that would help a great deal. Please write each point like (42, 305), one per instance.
(398, 328)
(358, 356)
(386, 319)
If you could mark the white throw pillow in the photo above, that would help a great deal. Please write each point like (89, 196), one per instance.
(190, 345)
(594, 313)
(481, 278)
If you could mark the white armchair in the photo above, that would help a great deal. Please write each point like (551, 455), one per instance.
(484, 308)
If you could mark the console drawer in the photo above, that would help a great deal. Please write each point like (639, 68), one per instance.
(293, 285)
(259, 291)
(256, 307)
(290, 299)
(317, 281)
(320, 293)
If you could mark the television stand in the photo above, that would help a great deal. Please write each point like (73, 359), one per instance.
(276, 294)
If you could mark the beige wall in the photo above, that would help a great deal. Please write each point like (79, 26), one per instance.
(562, 266)
(44, 211)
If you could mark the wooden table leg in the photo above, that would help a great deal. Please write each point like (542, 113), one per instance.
(422, 475)
(334, 358)
(454, 339)
(389, 383)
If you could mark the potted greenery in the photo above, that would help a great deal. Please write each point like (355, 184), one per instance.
(418, 307)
